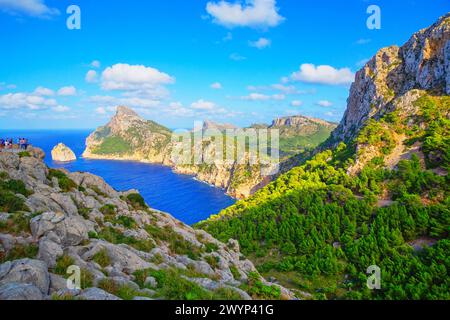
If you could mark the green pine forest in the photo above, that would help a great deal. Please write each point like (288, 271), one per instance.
(317, 228)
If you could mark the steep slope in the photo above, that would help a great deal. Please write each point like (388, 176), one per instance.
(374, 191)
(129, 137)
(52, 221)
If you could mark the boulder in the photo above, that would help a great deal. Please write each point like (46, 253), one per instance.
(97, 294)
(20, 291)
(62, 153)
(26, 271)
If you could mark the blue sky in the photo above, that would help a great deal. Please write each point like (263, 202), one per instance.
(178, 61)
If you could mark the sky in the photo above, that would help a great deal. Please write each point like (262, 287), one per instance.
(180, 61)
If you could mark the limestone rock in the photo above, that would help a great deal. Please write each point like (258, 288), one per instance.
(20, 291)
(62, 153)
(28, 271)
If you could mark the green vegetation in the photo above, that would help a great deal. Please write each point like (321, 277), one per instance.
(114, 236)
(9, 189)
(102, 258)
(325, 228)
(62, 264)
(65, 183)
(112, 145)
(122, 291)
(24, 154)
(136, 201)
(16, 224)
(19, 252)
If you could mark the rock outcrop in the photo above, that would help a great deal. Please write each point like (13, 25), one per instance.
(62, 153)
(123, 248)
(387, 81)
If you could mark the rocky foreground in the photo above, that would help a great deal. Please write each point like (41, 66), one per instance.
(52, 220)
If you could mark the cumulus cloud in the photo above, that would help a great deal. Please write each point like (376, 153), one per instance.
(261, 43)
(31, 101)
(263, 97)
(95, 64)
(91, 76)
(60, 108)
(216, 85)
(324, 103)
(363, 41)
(203, 105)
(34, 8)
(252, 13)
(123, 76)
(41, 91)
(67, 91)
(323, 74)
(296, 103)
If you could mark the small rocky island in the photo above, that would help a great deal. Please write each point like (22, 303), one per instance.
(63, 153)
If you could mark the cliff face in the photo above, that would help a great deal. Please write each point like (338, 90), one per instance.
(51, 220)
(423, 63)
(129, 137)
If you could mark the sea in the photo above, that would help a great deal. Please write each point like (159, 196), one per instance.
(182, 196)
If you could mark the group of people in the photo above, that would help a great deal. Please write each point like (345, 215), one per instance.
(22, 144)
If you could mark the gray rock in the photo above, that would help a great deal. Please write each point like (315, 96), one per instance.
(97, 294)
(29, 272)
(49, 252)
(151, 282)
(20, 291)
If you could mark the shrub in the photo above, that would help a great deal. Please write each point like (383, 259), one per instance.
(16, 224)
(102, 258)
(65, 183)
(20, 252)
(136, 201)
(9, 202)
(62, 264)
(24, 154)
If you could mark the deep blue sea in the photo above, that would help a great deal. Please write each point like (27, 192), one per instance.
(183, 197)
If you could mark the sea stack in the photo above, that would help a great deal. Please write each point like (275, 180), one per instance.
(62, 153)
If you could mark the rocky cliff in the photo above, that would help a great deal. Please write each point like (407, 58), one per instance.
(388, 99)
(53, 221)
(129, 137)
(62, 153)
(390, 77)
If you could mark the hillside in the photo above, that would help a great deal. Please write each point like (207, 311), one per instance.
(376, 193)
(129, 137)
(51, 220)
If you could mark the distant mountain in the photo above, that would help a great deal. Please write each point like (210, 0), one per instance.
(375, 195)
(129, 137)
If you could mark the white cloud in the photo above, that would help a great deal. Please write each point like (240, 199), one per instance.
(30, 101)
(4, 85)
(91, 76)
(95, 64)
(263, 97)
(252, 13)
(34, 8)
(133, 77)
(216, 85)
(203, 105)
(324, 103)
(67, 91)
(323, 74)
(41, 91)
(261, 43)
(137, 82)
(237, 57)
(296, 103)
(60, 109)
(100, 110)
